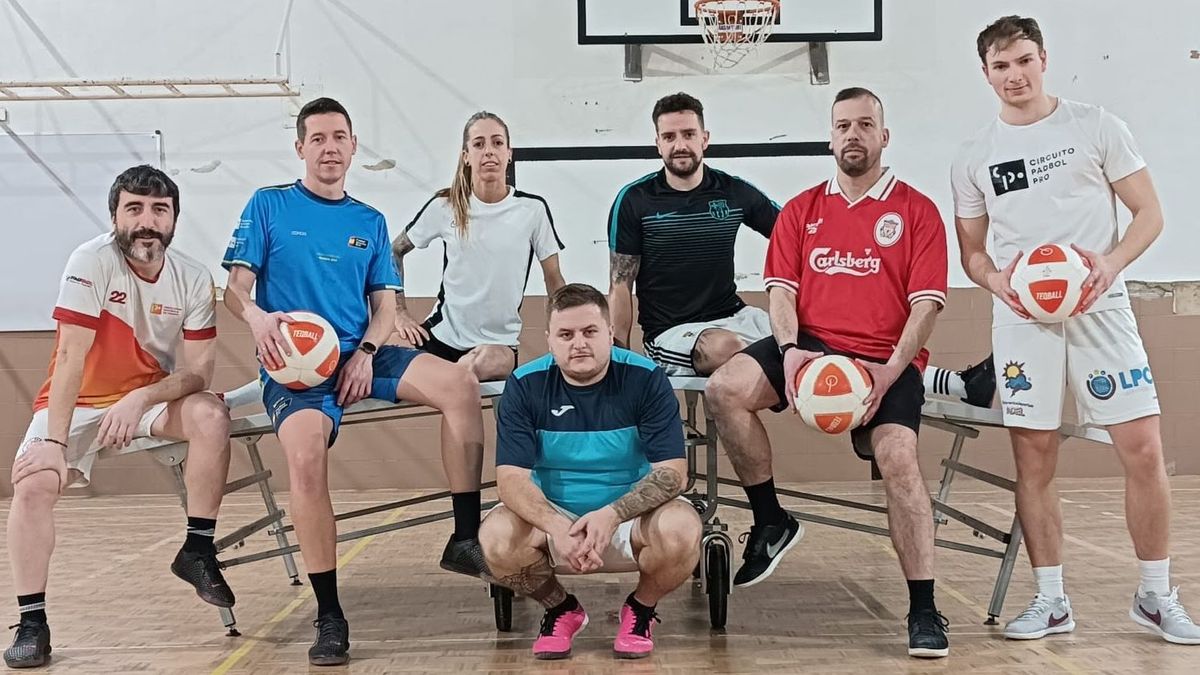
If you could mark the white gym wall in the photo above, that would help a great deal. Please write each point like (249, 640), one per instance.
(411, 72)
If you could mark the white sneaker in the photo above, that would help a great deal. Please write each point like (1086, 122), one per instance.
(1166, 617)
(1043, 617)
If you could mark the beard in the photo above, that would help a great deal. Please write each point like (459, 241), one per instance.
(687, 169)
(132, 248)
(857, 165)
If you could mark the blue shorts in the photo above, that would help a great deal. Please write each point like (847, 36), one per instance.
(389, 365)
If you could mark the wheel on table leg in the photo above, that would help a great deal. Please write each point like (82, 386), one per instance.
(502, 603)
(718, 583)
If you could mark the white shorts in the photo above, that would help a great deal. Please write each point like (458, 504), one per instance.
(618, 557)
(672, 348)
(1100, 355)
(81, 440)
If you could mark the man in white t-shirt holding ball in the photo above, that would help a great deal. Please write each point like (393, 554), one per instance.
(1045, 171)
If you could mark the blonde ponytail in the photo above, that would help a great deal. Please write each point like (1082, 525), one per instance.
(459, 193)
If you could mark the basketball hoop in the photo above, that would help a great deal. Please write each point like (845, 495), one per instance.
(732, 29)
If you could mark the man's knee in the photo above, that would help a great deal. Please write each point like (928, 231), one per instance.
(729, 388)
(895, 450)
(1036, 455)
(714, 347)
(208, 415)
(458, 390)
(304, 445)
(37, 491)
(675, 528)
(502, 535)
(1143, 457)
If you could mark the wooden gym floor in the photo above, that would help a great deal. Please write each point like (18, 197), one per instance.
(835, 605)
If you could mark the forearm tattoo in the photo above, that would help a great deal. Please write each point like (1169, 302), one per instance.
(623, 269)
(658, 487)
(401, 246)
(536, 581)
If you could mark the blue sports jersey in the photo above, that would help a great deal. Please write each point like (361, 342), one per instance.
(587, 446)
(314, 254)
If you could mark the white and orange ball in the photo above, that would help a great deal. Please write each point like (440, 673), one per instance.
(315, 351)
(1049, 282)
(829, 393)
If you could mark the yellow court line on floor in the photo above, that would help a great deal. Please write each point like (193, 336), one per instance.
(301, 597)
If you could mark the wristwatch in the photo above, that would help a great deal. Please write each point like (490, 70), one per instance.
(783, 348)
(368, 348)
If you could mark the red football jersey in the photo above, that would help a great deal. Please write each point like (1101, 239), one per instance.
(857, 267)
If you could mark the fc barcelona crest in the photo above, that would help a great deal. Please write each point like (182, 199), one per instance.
(718, 209)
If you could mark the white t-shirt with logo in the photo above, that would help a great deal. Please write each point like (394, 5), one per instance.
(1048, 182)
(484, 275)
(139, 322)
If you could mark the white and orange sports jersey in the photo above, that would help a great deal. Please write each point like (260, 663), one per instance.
(858, 267)
(138, 322)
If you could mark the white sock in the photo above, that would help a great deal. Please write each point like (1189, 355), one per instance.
(1156, 577)
(944, 382)
(1049, 581)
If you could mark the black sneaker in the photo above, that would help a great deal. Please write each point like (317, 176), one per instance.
(927, 634)
(765, 549)
(464, 557)
(203, 572)
(31, 646)
(332, 646)
(980, 382)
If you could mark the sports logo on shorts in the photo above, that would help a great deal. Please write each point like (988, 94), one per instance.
(1015, 378)
(1101, 385)
(718, 209)
(1104, 386)
(1009, 176)
(888, 229)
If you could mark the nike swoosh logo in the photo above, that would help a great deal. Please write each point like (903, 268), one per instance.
(1156, 617)
(773, 549)
(1058, 620)
(660, 216)
(561, 410)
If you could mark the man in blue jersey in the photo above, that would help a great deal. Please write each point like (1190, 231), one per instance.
(310, 246)
(589, 464)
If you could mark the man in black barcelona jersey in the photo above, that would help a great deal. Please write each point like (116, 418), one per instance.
(672, 232)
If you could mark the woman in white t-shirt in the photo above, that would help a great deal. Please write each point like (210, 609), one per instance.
(492, 233)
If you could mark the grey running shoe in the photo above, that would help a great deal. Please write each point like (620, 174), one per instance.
(1166, 617)
(1044, 616)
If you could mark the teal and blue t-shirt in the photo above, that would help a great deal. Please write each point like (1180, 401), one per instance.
(587, 446)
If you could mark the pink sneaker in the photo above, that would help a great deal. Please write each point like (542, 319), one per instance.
(558, 630)
(634, 639)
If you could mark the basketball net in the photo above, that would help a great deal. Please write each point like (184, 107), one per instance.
(733, 29)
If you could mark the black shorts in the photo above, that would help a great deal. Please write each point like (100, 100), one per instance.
(901, 404)
(447, 353)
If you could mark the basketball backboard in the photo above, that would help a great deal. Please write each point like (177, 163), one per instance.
(674, 21)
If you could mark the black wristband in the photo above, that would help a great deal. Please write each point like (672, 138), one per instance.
(50, 440)
(783, 348)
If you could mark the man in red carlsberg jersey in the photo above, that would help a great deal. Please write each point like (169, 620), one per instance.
(856, 266)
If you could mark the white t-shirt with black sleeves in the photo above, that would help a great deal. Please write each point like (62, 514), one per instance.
(484, 274)
(1048, 182)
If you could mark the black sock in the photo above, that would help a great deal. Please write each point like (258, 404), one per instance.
(200, 533)
(324, 585)
(568, 604)
(638, 607)
(466, 514)
(33, 606)
(765, 503)
(920, 595)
